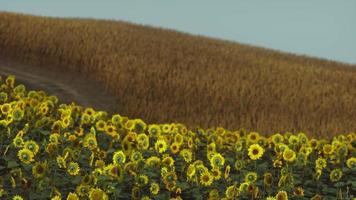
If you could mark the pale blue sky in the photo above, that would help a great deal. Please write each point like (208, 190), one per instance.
(321, 28)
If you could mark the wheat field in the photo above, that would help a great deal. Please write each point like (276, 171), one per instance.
(167, 76)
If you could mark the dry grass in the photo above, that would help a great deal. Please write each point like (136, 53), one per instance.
(167, 76)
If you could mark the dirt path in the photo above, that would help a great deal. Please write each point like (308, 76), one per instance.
(66, 86)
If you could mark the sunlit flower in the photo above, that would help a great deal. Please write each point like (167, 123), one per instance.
(32, 146)
(17, 197)
(320, 163)
(26, 156)
(39, 169)
(161, 146)
(72, 196)
(73, 168)
(335, 175)
(119, 158)
(18, 142)
(154, 188)
(251, 177)
(217, 160)
(255, 151)
(97, 194)
(282, 195)
(351, 162)
(206, 178)
(289, 155)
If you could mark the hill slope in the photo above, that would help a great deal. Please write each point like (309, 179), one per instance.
(167, 76)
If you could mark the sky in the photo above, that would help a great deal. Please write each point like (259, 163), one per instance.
(318, 28)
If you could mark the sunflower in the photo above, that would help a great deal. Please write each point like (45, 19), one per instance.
(206, 178)
(217, 160)
(115, 171)
(282, 195)
(243, 187)
(216, 173)
(136, 156)
(271, 198)
(17, 197)
(18, 142)
(191, 171)
(32, 146)
(5, 108)
(143, 141)
(119, 158)
(232, 192)
(25, 155)
(166, 128)
(253, 137)
(154, 130)
(161, 146)
(251, 177)
(72, 196)
(335, 175)
(97, 194)
(129, 125)
(239, 165)
(153, 161)
(57, 197)
(39, 169)
(289, 155)
(293, 140)
(17, 114)
(267, 179)
(154, 188)
(82, 190)
(174, 147)
(169, 177)
(100, 125)
(142, 180)
(351, 162)
(328, 149)
(187, 155)
(54, 138)
(110, 130)
(168, 161)
(320, 163)
(61, 162)
(73, 168)
(255, 151)
(298, 191)
(238, 146)
(90, 142)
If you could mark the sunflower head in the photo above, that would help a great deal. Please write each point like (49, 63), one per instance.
(335, 175)
(255, 151)
(251, 177)
(25, 155)
(154, 188)
(73, 168)
(289, 155)
(282, 195)
(206, 178)
(351, 163)
(39, 169)
(119, 158)
(72, 196)
(97, 194)
(32, 146)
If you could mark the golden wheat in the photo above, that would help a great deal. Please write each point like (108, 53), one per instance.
(166, 76)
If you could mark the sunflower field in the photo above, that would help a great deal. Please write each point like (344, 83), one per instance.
(58, 151)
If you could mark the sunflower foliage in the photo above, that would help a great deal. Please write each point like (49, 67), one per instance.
(64, 151)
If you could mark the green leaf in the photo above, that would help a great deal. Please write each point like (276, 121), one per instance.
(12, 164)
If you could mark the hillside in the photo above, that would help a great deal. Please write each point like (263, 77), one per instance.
(167, 76)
